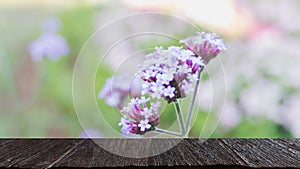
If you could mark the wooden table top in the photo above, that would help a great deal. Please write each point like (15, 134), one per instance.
(187, 153)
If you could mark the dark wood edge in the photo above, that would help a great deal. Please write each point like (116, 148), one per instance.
(192, 153)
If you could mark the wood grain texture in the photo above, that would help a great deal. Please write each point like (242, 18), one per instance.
(191, 153)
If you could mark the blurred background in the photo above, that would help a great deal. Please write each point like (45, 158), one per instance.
(41, 40)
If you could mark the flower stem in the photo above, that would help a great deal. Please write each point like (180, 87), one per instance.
(179, 117)
(158, 130)
(180, 120)
(188, 119)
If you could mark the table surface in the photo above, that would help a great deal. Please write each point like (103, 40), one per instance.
(193, 153)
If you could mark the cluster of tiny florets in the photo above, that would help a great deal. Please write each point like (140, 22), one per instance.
(170, 73)
(206, 45)
(140, 116)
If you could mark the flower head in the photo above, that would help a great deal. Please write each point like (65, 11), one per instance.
(166, 72)
(144, 125)
(206, 45)
(140, 116)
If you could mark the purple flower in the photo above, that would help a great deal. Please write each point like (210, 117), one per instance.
(118, 87)
(140, 116)
(206, 45)
(170, 73)
(51, 25)
(90, 133)
(49, 44)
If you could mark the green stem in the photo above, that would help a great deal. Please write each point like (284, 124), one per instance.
(159, 130)
(188, 119)
(180, 118)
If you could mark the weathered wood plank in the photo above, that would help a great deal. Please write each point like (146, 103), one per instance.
(39, 153)
(193, 153)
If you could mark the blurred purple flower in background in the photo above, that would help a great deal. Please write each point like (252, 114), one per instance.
(90, 133)
(290, 114)
(118, 87)
(49, 44)
(51, 25)
(231, 116)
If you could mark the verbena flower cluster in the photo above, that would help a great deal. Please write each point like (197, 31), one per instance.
(166, 73)
(142, 116)
(205, 45)
(170, 73)
(49, 44)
